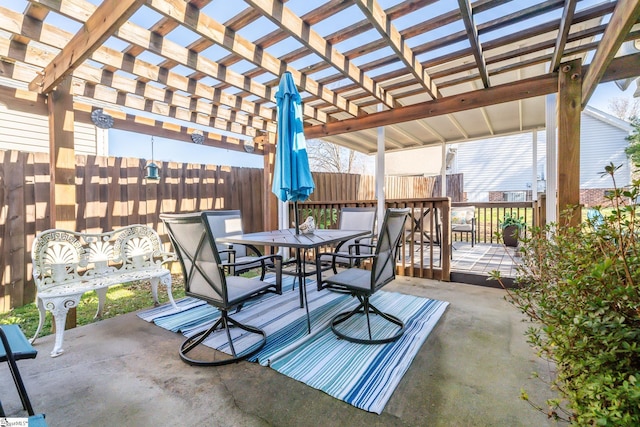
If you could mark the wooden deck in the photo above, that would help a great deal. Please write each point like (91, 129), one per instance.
(474, 264)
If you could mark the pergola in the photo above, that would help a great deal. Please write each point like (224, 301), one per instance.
(429, 71)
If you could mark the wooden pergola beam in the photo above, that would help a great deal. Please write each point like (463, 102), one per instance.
(474, 40)
(106, 19)
(32, 102)
(563, 33)
(624, 16)
(569, 109)
(377, 16)
(114, 60)
(205, 26)
(280, 15)
(623, 67)
(142, 37)
(536, 86)
(151, 101)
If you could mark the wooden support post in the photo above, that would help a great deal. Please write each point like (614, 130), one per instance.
(63, 163)
(569, 109)
(270, 216)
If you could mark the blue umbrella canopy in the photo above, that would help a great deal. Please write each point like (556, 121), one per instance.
(292, 178)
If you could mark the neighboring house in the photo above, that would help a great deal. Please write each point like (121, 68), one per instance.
(24, 131)
(499, 169)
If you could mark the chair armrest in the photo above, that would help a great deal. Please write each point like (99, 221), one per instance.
(230, 267)
(356, 241)
(262, 259)
(360, 245)
(232, 255)
(335, 255)
(254, 250)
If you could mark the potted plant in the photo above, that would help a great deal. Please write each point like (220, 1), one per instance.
(511, 226)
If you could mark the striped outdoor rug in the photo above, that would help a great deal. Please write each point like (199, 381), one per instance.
(364, 376)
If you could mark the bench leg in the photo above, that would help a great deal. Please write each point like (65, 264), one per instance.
(102, 298)
(42, 314)
(59, 307)
(166, 281)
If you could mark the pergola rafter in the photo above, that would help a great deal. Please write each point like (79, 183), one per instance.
(476, 46)
(101, 25)
(376, 15)
(225, 78)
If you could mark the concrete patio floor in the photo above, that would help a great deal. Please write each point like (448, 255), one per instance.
(126, 372)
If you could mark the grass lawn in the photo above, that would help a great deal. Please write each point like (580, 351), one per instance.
(121, 299)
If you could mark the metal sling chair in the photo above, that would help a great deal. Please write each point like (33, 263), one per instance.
(15, 346)
(354, 219)
(363, 283)
(229, 222)
(206, 277)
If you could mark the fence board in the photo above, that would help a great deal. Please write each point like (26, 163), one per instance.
(14, 238)
(111, 192)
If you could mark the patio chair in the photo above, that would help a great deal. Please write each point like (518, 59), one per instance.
(353, 219)
(463, 220)
(363, 283)
(423, 227)
(229, 222)
(15, 346)
(206, 278)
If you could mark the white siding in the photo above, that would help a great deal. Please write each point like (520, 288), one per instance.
(601, 144)
(498, 164)
(85, 138)
(23, 131)
(504, 163)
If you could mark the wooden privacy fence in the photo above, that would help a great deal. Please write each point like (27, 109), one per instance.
(112, 192)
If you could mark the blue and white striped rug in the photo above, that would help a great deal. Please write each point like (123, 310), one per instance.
(364, 376)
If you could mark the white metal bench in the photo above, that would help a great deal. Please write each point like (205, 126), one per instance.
(67, 264)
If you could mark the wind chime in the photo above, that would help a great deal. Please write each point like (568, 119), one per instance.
(152, 168)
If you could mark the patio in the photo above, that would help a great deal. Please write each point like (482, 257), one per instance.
(125, 371)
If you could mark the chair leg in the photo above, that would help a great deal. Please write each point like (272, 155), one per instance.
(15, 373)
(225, 322)
(366, 308)
(22, 391)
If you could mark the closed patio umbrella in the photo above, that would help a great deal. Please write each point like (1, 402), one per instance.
(292, 180)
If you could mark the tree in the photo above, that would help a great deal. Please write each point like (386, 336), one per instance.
(624, 108)
(328, 157)
(633, 150)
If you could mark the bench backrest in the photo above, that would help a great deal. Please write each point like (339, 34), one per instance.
(62, 256)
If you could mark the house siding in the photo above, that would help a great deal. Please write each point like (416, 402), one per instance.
(508, 167)
(23, 131)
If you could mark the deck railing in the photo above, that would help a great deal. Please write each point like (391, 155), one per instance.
(488, 218)
(426, 251)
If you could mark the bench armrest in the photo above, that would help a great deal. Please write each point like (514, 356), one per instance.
(165, 256)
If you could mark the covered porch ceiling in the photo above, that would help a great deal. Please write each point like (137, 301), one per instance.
(431, 71)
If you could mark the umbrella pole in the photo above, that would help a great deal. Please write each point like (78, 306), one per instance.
(295, 217)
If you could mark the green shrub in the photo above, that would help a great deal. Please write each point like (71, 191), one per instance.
(579, 288)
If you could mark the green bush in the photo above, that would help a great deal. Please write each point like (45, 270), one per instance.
(579, 288)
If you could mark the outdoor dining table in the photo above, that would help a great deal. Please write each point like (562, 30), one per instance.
(302, 243)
